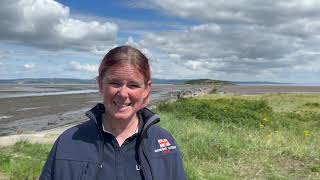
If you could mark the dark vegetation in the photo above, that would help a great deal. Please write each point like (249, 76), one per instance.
(208, 82)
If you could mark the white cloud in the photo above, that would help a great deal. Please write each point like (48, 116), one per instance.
(194, 65)
(84, 67)
(241, 11)
(175, 56)
(29, 66)
(230, 40)
(47, 24)
(76, 30)
(210, 28)
(245, 40)
(131, 42)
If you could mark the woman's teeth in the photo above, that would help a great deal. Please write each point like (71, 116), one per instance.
(121, 105)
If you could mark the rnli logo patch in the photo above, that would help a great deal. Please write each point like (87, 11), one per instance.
(165, 146)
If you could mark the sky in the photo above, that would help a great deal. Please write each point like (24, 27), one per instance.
(243, 40)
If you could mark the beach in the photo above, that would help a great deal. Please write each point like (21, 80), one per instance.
(33, 108)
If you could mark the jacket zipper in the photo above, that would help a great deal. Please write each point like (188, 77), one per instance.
(101, 145)
(141, 165)
(143, 149)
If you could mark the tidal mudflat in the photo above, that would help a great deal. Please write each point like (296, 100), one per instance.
(29, 108)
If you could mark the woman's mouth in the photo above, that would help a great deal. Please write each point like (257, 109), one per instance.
(122, 106)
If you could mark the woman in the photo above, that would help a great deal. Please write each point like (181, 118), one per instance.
(120, 140)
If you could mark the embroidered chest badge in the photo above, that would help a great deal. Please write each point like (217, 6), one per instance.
(165, 146)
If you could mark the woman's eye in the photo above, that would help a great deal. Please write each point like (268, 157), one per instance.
(133, 86)
(113, 83)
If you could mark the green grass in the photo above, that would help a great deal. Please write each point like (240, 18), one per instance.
(247, 137)
(23, 160)
(223, 137)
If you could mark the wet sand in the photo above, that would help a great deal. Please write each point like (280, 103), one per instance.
(37, 113)
(43, 112)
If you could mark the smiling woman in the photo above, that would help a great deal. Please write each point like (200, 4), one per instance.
(121, 139)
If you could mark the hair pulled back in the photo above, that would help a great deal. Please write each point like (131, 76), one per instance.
(125, 55)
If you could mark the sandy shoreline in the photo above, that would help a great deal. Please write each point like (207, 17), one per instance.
(43, 118)
(36, 113)
(43, 137)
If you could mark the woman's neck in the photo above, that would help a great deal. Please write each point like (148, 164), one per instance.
(121, 129)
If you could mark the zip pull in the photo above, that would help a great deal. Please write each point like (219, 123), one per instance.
(138, 167)
(100, 166)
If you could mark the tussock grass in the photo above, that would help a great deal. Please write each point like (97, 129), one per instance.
(240, 112)
(258, 137)
(23, 160)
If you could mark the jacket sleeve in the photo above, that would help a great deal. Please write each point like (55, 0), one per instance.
(48, 168)
(163, 156)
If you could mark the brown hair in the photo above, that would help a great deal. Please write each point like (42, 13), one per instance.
(125, 55)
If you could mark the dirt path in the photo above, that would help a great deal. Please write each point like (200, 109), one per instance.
(48, 136)
(4, 177)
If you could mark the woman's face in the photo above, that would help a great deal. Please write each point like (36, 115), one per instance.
(123, 91)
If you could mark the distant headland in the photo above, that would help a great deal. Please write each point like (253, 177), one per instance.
(208, 82)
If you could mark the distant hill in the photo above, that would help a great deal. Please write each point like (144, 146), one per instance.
(208, 82)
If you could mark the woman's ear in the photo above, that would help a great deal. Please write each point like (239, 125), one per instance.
(147, 89)
(100, 86)
(146, 94)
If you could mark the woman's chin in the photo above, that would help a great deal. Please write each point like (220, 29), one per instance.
(122, 116)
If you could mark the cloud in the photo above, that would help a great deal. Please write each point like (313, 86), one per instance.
(242, 11)
(29, 66)
(4, 54)
(84, 67)
(47, 24)
(239, 40)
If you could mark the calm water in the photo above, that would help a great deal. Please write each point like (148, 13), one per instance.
(14, 95)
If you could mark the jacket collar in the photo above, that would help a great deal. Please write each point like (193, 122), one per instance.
(149, 118)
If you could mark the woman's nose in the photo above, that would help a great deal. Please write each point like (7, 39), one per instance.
(123, 91)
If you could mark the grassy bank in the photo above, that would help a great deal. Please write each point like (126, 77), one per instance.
(246, 137)
(223, 137)
(23, 160)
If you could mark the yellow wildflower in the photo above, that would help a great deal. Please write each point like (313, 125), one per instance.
(306, 133)
(265, 120)
(261, 126)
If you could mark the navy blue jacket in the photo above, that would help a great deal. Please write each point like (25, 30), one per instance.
(78, 152)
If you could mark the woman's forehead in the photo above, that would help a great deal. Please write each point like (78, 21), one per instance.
(126, 71)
